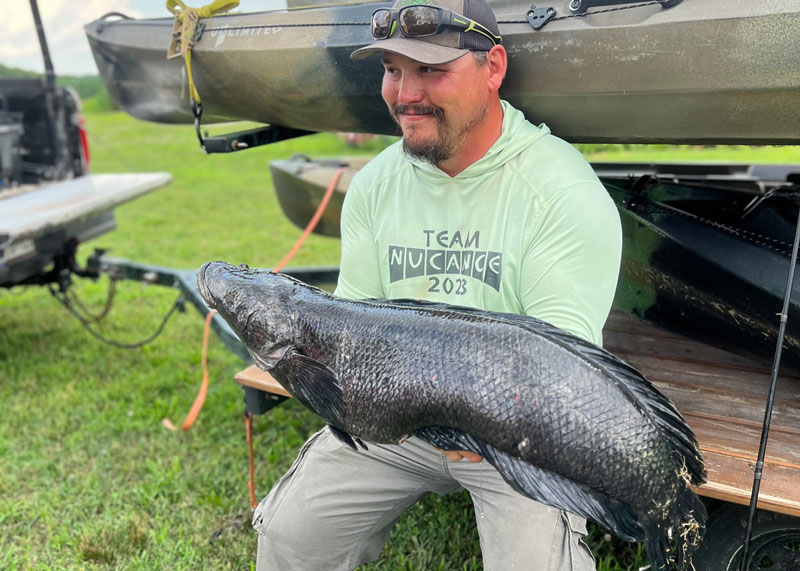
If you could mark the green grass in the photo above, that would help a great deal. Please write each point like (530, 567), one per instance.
(88, 476)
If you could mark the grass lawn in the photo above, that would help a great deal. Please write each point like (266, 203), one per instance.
(89, 477)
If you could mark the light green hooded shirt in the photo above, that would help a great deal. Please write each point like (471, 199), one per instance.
(528, 229)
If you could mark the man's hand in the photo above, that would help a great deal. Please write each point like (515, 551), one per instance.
(456, 455)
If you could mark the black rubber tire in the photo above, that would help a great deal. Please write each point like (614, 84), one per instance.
(775, 545)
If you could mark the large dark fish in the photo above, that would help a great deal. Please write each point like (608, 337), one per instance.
(565, 422)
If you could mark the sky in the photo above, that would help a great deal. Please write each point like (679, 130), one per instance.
(63, 22)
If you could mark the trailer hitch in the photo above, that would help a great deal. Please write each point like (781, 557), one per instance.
(580, 6)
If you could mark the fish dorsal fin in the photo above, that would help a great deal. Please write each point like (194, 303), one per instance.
(658, 408)
(318, 388)
(541, 485)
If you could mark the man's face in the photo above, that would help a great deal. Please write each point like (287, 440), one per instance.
(437, 107)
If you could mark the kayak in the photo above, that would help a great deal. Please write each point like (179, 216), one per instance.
(706, 246)
(300, 183)
(700, 71)
(707, 254)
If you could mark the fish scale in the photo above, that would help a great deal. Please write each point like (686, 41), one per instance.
(563, 421)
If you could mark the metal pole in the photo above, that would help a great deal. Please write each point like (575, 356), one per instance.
(49, 72)
(762, 449)
(55, 109)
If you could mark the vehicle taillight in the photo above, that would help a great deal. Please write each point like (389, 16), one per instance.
(84, 137)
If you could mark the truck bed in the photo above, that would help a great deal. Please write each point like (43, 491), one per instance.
(722, 395)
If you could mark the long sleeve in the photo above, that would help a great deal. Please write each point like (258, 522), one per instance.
(359, 275)
(569, 272)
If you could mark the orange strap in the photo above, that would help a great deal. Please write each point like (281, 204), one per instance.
(251, 485)
(201, 394)
(313, 222)
(309, 228)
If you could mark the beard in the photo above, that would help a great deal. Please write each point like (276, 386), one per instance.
(448, 138)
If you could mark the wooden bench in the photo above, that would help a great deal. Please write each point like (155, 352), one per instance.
(721, 395)
(261, 391)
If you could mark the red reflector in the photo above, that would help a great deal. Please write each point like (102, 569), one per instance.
(84, 143)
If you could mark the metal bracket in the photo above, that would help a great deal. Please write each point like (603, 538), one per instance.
(258, 402)
(201, 27)
(538, 17)
(580, 6)
(197, 112)
(241, 140)
(638, 187)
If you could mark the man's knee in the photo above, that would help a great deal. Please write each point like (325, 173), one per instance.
(280, 523)
(290, 540)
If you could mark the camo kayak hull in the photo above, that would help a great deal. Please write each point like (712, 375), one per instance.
(710, 71)
(300, 184)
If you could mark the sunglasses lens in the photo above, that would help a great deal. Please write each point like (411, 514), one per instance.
(417, 21)
(381, 24)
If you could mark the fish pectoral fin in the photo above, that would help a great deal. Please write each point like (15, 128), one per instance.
(318, 388)
(344, 437)
(542, 485)
(445, 438)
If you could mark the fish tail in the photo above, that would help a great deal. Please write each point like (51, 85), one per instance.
(660, 411)
(656, 407)
(673, 538)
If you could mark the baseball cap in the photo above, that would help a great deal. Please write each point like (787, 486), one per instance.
(441, 48)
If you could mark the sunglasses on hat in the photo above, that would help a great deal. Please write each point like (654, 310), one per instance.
(421, 21)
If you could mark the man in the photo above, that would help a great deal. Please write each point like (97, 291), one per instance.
(478, 207)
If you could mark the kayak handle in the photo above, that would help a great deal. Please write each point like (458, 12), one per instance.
(580, 6)
(102, 19)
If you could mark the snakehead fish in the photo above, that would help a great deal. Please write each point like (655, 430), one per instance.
(563, 421)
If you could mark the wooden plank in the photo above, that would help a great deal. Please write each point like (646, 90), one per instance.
(255, 378)
(744, 410)
(629, 335)
(722, 395)
(731, 479)
(724, 436)
(712, 377)
(619, 321)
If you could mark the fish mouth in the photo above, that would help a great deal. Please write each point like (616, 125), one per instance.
(202, 282)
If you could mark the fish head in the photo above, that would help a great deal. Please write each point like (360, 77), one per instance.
(255, 303)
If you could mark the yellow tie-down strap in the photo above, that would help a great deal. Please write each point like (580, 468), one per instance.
(183, 30)
(216, 7)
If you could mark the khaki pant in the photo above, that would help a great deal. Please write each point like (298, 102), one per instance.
(335, 507)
